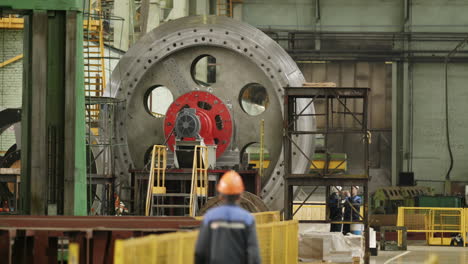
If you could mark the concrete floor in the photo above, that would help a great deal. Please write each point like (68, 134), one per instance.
(419, 254)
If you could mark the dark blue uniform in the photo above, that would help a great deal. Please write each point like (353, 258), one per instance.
(227, 235)
(336, 211)
(349, 213)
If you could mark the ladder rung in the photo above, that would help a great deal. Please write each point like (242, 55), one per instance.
(92, 52)
(93, 77)
(171, 206)
(92, 58)
(87, 64)
(172, 194)
(88, 83)
(92, 71)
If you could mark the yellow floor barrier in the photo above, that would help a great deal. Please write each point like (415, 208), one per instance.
(278, 243)
(439, 223)
(260, 218)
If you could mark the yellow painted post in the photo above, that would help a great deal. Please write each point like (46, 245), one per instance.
(149, 193)
(205, 172)
(118, 252)
(193, 185)
(400, 222)
(262, 147)
(464, 223)
(74, 253)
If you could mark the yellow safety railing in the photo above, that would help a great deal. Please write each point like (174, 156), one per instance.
(158, 165)
(278, 242)
(267, 217)
(466, 222)
(174, 248)
(199, 185)
(314, 212)
(261, 217)
(437, 222)
(12, 22)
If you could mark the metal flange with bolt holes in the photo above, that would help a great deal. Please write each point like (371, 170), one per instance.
(244, 56)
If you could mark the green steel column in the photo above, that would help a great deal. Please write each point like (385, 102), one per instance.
(80, 202)
(53, 120)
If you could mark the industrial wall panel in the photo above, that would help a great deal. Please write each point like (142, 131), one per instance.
(439, 15)
(288, 14)
(376, 75)
(361, 15)
(429, 147)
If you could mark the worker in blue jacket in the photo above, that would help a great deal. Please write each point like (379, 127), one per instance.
(352, 201)
(335, 203)
(228, 233)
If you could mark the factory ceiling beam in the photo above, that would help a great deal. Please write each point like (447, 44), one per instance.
(53, 178)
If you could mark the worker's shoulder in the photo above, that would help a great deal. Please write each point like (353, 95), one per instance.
(229, 213)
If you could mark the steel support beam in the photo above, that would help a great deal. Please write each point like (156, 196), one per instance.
(53, 127)
(34, 173)
(74, 123)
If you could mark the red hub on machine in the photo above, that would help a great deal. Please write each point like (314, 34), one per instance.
(214, 116)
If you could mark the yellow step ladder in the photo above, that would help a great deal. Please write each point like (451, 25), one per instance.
(158, 167)
(199, 184)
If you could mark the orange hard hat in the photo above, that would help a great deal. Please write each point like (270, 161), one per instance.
(231, 183)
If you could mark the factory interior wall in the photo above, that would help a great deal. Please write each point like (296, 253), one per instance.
(11, 79)
(430, 158)
(378, 76)
(420, 128)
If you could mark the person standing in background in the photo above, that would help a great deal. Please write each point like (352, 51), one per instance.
(352, 207)
(336, 202)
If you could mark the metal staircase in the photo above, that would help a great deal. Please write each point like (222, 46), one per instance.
(183, 197)
(94, 63)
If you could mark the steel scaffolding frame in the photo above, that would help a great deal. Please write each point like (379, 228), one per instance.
(326, 97)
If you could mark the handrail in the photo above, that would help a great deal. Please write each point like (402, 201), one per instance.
(159, 153)
(199, 176)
